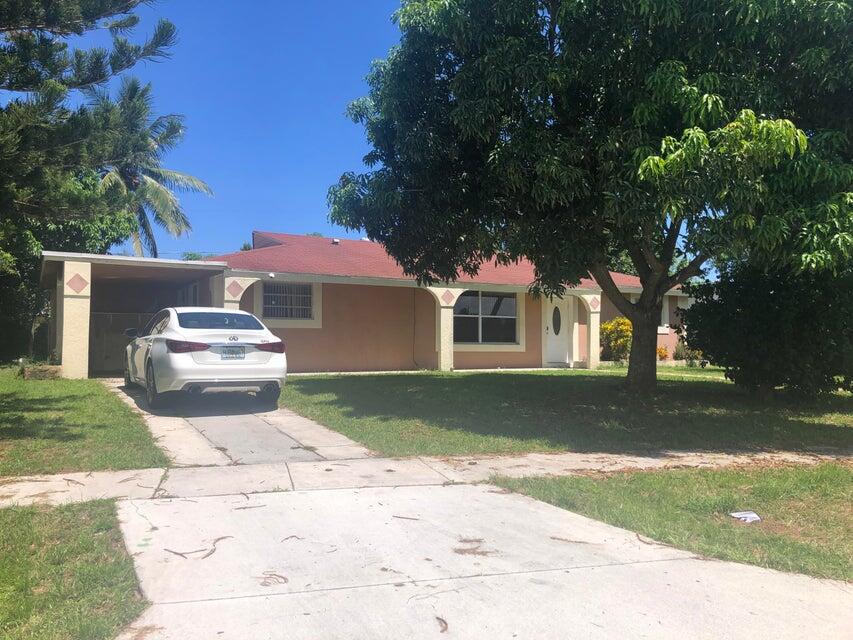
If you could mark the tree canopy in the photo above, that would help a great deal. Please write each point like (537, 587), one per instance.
(54, 156)
(571, 133)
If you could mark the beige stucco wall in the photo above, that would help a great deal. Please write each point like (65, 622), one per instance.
(530, 357)
(425, 354)
(365, 328)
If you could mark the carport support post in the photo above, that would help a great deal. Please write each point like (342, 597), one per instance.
(445, 299)
(74, 306)
(593, 329)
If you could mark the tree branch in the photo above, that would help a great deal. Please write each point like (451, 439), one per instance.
(691, 270)
(670, 241)
(602, 276)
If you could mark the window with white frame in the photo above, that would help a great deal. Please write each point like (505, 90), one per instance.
(485, 317)
(287, 300)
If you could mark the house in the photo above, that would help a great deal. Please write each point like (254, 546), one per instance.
(339, 305)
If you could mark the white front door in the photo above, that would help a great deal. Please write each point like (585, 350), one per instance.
(558, 329)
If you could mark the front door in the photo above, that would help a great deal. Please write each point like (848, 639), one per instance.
(557, 331)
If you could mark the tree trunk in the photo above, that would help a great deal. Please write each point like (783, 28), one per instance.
(642, 362)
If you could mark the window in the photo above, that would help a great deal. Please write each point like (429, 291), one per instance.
(218, 320)
(287, 300)
(483, 317)
(152, 327)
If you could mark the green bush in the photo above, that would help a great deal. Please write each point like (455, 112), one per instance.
(616, 339)
(779, 329)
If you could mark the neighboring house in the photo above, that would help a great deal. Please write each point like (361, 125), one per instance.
(339, 305)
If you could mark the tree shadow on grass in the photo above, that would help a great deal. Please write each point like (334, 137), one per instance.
(584, 412)
(25, 418)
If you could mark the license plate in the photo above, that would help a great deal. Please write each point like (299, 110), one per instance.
(233, 353)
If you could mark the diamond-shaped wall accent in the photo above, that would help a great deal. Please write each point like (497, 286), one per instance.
(447, 296)
(594, 304)
(235, 289)
(77, 283)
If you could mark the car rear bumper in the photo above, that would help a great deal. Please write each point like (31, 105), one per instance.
(205, 386)
(178, 372)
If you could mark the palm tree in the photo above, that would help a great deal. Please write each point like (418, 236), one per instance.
(140, 142)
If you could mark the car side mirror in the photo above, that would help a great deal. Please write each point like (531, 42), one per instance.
(131, 333)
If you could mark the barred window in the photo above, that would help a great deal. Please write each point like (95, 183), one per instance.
(287, 300)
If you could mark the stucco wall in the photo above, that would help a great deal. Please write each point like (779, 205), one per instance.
(364, 328)
(530, 357)
(425, 354)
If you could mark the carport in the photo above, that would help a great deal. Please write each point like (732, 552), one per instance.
(94, 298)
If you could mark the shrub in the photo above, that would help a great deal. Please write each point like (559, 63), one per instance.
(683, 352)
(779, 329)
(663, 353)
(616, 339)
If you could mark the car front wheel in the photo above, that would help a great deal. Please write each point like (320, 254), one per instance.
(151, 394)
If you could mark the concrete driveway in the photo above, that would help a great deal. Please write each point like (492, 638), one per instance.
(459, 561)
(292, 531)
(221, 429)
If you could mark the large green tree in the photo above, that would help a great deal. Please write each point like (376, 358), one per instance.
(53, 155)
(571, 132)
(44, 143)
(142, 141)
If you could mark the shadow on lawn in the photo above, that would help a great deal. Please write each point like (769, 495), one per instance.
(588, 412)
(23, 418)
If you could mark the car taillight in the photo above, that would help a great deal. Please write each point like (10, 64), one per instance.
(182, 346)
(272, 347)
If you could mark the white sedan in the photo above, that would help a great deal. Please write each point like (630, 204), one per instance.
(199, 349)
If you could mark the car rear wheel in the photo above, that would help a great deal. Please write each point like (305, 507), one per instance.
(151, 395)
(269, 397)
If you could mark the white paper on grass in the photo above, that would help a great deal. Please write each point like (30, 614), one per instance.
(746, 516)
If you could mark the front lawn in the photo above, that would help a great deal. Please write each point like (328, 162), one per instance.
(64, 573)
(807, 512)
(53, 426)
(513, 412)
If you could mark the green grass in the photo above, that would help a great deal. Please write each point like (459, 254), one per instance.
(503, 413)
(54, 426)
(807, 512)
(64, 573)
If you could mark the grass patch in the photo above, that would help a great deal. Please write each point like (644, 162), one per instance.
(502, 413)
(807, 512)
(64, 573)
(54, 426)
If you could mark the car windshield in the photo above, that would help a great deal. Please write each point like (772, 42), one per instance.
(218, 320)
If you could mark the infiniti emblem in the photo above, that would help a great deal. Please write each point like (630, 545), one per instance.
(233, 338)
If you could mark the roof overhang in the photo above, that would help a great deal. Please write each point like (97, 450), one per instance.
(105, 267)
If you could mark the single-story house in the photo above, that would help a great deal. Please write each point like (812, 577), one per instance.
(339, 305)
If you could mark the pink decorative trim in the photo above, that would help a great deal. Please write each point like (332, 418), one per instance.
(235, 289)
(77, 283)
(447, 296)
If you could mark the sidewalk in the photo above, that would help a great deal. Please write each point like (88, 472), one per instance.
(354, 473)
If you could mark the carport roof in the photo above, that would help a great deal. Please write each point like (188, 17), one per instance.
(129, 267)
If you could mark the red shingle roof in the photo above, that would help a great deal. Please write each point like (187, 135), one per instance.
(289, 253)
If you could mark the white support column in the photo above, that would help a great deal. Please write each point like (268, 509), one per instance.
(593, 329)
(445, 299)
(233, 290)
(73, 319)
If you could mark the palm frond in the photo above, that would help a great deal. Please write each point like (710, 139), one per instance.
(178, 181)
(112, 180)
(145, 234)
(165, 207)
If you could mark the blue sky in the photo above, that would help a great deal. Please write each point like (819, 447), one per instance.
(263, 86)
